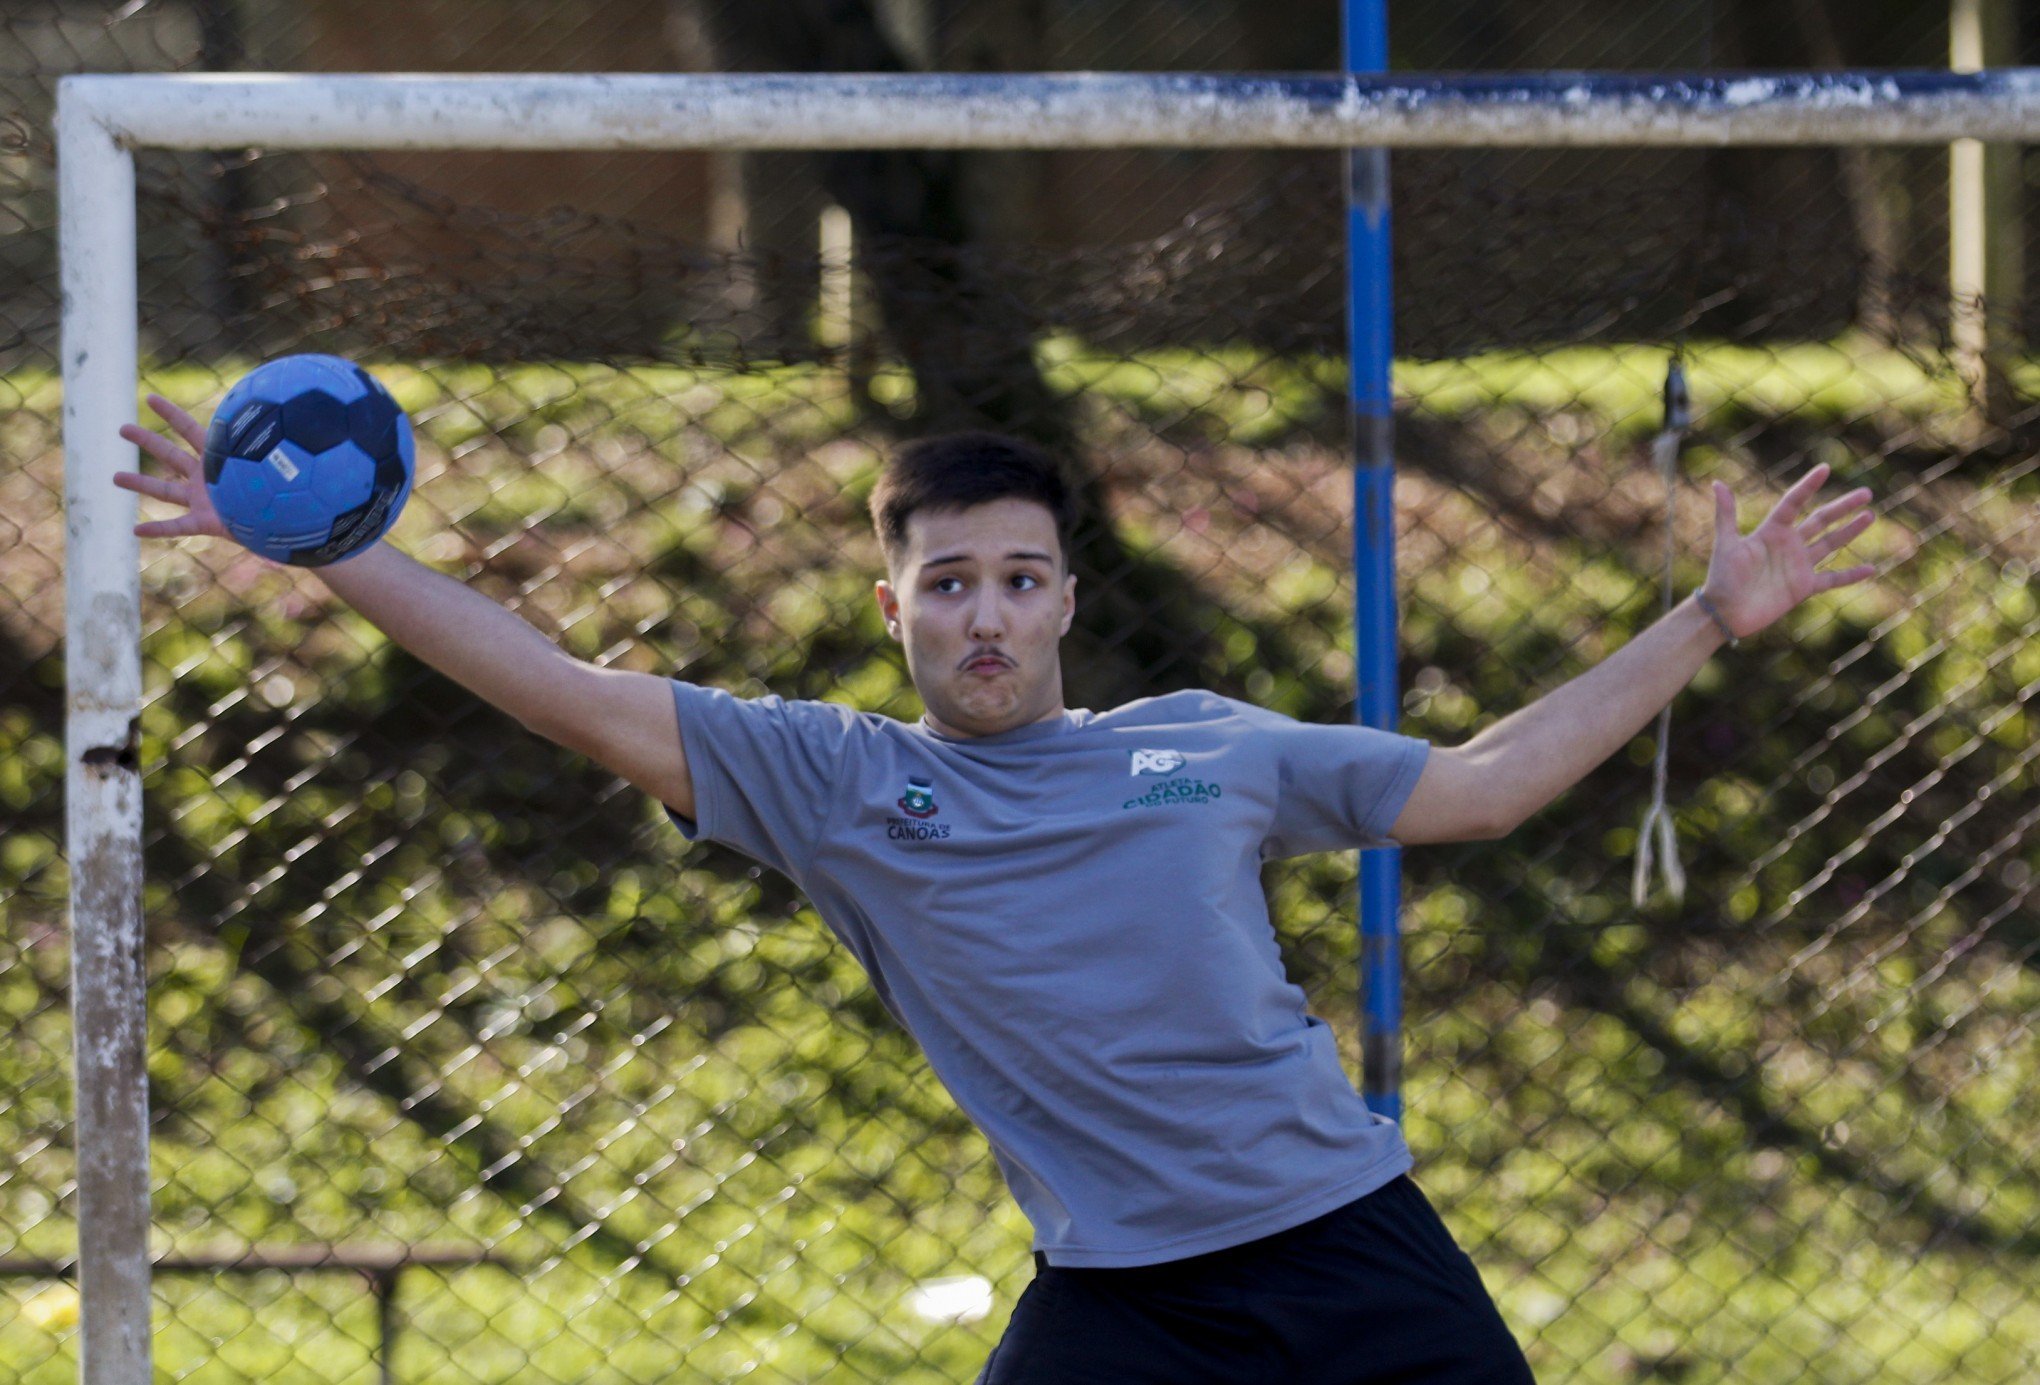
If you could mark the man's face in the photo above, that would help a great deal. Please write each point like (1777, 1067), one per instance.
(980, 602)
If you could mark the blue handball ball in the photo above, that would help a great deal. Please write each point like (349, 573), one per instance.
(308, 460)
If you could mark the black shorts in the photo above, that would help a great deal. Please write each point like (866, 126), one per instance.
(1374, 1291)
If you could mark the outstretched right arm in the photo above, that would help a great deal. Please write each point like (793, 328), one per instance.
(626, 722)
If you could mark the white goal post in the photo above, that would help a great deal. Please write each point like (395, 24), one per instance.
(102, 120)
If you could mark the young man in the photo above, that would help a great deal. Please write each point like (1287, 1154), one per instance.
(1064, 907)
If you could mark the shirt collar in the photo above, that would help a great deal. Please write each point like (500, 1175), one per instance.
(1062, 724)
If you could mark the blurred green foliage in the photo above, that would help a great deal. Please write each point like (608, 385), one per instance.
(419, 976)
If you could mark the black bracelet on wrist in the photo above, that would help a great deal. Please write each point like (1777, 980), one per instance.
(1715, 616)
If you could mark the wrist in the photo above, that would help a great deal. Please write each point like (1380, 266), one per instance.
(1711, 613)
(366, 550)
(358, 565)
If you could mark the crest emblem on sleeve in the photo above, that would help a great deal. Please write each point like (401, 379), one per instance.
(1156, 762)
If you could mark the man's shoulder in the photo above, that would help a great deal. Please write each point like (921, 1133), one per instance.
(1189, 706)
(820, 714)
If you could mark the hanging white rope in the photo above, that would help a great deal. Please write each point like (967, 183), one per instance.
(1665, 453)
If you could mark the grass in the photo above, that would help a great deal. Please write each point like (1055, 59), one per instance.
(1777, 1132)
(1243, 395)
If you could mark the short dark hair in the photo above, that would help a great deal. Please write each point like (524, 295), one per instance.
(959, 470)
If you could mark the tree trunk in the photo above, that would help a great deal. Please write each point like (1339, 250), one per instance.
(968, 337)
(1866, 174)
(222, 47)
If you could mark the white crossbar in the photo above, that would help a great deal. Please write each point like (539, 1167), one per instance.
(1055, 111)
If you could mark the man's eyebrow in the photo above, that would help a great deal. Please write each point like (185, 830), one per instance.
(1015, 556)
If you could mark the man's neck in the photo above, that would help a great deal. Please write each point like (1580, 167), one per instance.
(940, 727)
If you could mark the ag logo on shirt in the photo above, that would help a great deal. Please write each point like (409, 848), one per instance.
(1170, 792)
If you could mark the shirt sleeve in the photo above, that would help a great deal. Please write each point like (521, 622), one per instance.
(764, 771)
(1340, 786)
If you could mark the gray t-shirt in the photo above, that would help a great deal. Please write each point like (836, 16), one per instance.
(1068, 917)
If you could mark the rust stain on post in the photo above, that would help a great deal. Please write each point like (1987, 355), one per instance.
(103, 760)
(109, 1015)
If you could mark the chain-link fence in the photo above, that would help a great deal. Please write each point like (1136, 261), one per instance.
(453, 1016)
(1887, 205)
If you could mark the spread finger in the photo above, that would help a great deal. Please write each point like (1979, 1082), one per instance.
(182, 423)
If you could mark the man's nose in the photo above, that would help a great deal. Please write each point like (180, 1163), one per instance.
(987, 619)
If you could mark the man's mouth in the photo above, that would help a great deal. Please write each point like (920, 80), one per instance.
(989, 663)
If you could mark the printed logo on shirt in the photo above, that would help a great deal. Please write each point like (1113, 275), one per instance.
(918, 803)
(919, 799)
(1156, 762)
(1172, 792)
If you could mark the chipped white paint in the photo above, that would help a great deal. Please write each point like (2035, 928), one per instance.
(1747, 91)
(1056, 110)
(103, 795)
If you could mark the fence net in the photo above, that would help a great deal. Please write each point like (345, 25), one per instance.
(449, 1014)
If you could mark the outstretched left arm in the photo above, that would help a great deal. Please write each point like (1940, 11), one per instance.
(1516, 767)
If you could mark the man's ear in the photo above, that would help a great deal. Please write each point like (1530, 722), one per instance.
(1069, 601)
(888, 606)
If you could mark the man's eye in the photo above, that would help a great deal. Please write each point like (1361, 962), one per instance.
(941, 583)
(1026, 577)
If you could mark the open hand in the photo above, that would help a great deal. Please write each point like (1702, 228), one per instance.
(1755, 578)
(184, 486)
